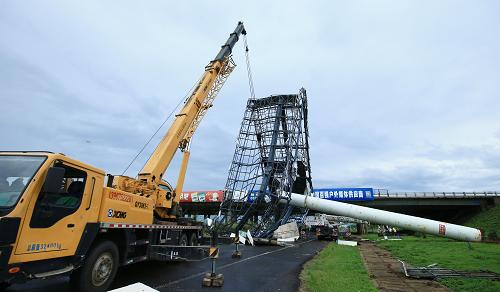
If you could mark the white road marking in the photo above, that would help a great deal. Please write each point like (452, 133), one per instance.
(228, 265)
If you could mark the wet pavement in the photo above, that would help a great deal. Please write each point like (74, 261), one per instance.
(262, 268)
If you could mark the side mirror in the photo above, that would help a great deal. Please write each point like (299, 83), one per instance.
(54, 179)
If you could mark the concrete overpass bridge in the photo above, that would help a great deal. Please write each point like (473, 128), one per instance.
(446, 206)
(452, 207)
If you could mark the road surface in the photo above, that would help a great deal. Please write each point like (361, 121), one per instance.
(262, 268)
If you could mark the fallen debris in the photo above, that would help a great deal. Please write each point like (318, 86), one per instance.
(347, 242)
(435, 272)
(287, 232)
(267, 241)
(385, 271)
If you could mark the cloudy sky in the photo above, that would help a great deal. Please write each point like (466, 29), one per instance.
(403, 95)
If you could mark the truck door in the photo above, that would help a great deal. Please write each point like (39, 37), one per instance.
(55, 221)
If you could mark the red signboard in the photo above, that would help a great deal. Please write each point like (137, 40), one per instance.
(202, 196)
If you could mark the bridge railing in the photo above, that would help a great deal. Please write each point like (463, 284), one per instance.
(385, 194)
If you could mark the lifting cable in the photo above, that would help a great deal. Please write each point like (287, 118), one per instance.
(249, 69)
(252, 95)
(161, 126)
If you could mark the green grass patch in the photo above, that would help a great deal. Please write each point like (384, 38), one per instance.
(488, 221)
(451, 254)
(371, 236)
(336, 268)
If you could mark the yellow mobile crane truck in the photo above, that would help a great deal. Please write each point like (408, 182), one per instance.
(60, 216)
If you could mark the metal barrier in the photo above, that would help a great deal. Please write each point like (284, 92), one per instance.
(385, 194)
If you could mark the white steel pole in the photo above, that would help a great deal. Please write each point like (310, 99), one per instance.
(387, 218)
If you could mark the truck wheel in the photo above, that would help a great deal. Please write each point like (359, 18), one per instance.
(99, 269)
(193, 239)
(183, 241)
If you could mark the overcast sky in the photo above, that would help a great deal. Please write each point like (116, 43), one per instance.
(403, 95)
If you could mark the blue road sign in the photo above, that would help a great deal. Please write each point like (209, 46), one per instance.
(344, 194)
(334, 194)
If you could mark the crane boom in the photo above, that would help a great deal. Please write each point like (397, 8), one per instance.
(195, 107)
(227, 48)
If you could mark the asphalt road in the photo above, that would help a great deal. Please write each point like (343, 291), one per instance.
(262, 268)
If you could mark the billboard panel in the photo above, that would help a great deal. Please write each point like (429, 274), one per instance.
(344, 194)
(201, 196)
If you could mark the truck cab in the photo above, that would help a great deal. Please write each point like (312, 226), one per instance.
(57, 217)
(47, 202)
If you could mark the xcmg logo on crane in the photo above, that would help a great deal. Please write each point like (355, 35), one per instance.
(117, 214)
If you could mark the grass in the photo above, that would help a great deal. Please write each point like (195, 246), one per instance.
(449, 254)
(488, 220)
(336, 268)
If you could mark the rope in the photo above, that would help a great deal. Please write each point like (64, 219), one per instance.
(161, 126)
(249, 69)
(252, 95)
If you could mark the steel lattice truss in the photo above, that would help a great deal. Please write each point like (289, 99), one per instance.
(226, 69)
(270, 161)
